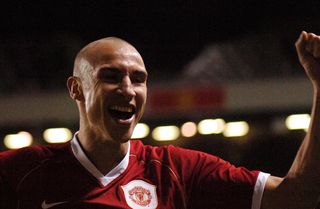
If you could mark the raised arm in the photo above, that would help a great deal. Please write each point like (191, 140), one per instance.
(300, 188)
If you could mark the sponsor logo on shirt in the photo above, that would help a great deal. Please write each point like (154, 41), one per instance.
(140, 195)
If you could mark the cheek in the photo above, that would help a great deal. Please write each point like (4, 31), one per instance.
(141, 95)
(141, 103)
(94, 102)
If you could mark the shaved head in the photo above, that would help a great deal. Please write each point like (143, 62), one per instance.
(91, 54)
(109, 84)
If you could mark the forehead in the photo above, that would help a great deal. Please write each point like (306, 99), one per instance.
(115, 53)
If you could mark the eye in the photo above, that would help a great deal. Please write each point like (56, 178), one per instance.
(138, 80)
(139, 77)
(110, 76)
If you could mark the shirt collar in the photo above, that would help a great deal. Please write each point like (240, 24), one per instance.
(89, 166)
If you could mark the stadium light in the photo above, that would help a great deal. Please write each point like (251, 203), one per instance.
(236, 129)
(57, 135)
(188, 129)
(140, 131)
(211, 126)
(166, 133)
(298, 121)
(19, 140)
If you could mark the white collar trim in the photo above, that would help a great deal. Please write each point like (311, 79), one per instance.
(87, 164)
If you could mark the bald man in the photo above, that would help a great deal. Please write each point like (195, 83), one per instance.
(102, 168)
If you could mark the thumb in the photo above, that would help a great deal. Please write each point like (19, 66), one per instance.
(301, 44)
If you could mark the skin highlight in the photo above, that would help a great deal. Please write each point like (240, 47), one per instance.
(108, 74)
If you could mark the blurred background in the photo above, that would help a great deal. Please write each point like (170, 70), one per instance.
(224, 75)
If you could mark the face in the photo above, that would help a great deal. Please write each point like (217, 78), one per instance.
(115, 91)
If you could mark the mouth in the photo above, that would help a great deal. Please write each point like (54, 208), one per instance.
(122, 112)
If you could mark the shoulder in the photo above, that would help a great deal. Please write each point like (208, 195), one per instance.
(146, 151)
(33, 154)
(190, 160)
(174, 154)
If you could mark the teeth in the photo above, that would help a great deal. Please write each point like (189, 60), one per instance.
(121, 108)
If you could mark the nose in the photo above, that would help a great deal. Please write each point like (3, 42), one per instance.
(126, 88)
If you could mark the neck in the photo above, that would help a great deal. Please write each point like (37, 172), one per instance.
(104, 153)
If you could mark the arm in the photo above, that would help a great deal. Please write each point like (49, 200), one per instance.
(300, 188)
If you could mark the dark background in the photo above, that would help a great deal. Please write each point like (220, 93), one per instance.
(40, 39)
(38, 42)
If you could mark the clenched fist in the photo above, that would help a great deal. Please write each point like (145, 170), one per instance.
(308, 49)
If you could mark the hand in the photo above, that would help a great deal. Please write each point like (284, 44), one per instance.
(308, 49)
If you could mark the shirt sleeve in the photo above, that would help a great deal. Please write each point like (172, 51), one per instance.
(258, 190)
(212, 182)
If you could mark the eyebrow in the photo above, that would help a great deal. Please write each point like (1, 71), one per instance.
(117, 70)
(140, 73)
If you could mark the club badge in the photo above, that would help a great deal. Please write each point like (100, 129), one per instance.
(140, 195)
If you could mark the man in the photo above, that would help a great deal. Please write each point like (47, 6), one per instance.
(102, 168)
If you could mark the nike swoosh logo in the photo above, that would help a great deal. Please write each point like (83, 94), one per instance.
(45, 205)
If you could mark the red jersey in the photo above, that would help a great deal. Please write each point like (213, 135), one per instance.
(62, 177)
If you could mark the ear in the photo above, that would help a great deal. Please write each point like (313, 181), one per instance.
(75, 88)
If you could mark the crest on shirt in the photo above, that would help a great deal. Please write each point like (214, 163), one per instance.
(140, 195)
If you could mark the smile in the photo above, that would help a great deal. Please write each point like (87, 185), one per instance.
(122, 112)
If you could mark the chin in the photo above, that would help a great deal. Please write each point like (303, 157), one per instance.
(123, 138)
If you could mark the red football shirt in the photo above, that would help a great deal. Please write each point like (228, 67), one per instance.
(62, 177)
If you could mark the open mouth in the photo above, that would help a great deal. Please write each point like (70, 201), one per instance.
(122, 112)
